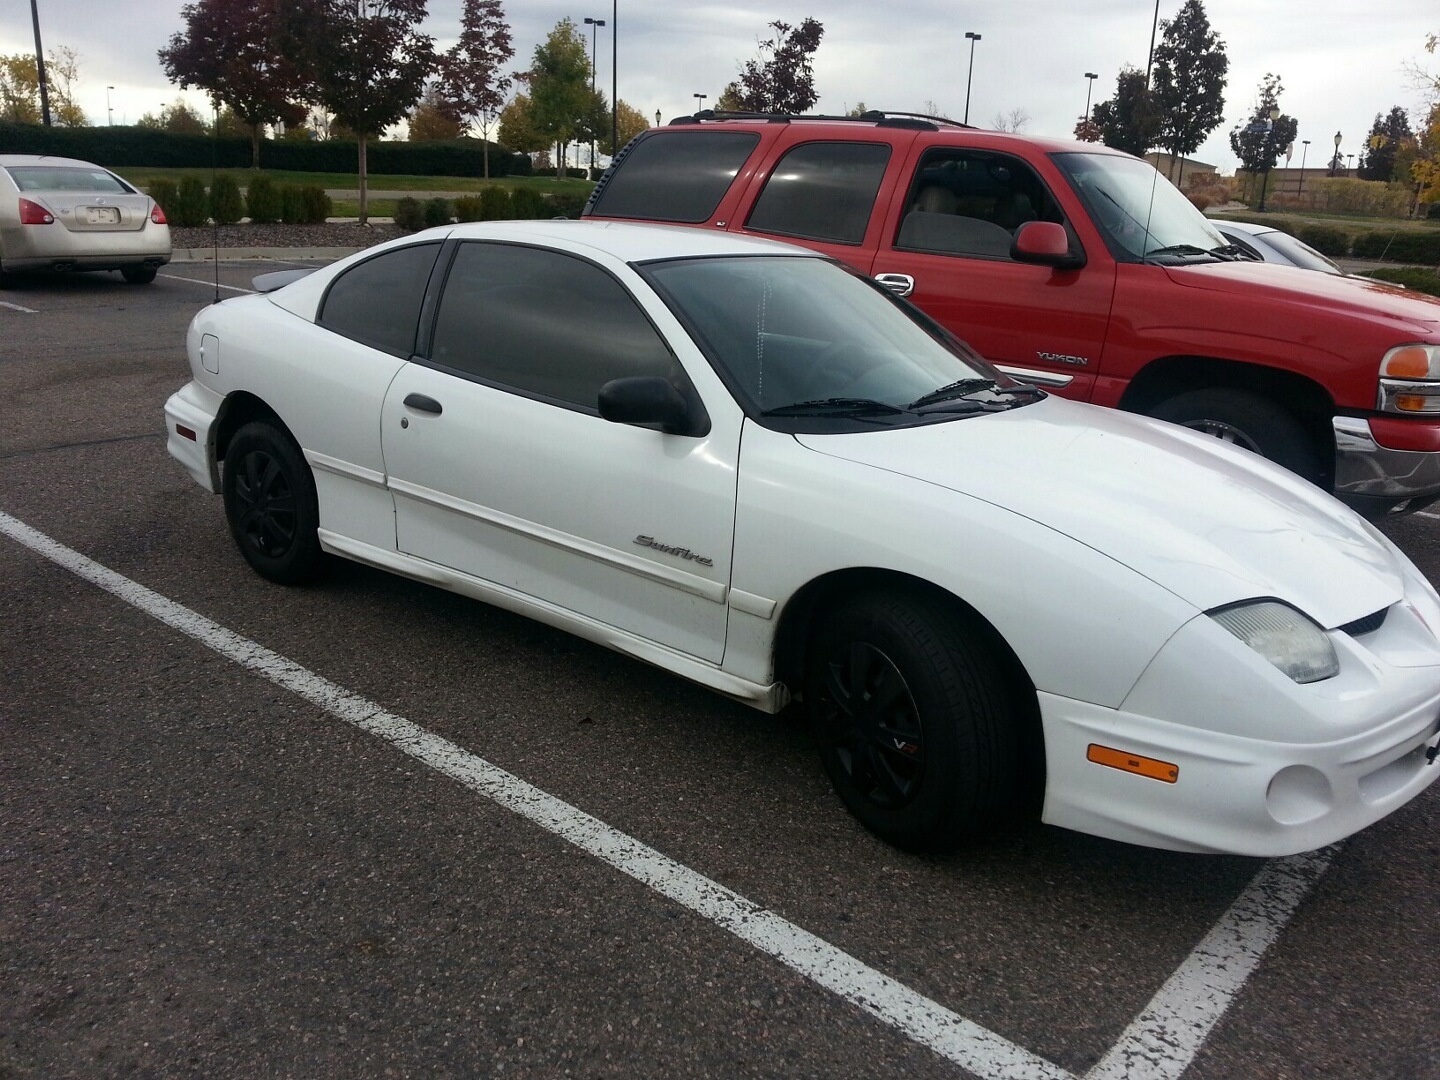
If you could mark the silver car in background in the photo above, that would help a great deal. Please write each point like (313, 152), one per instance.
(62, 214)
(1273, 246)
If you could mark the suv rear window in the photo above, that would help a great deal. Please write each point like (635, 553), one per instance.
(678, 177)
(822, 191)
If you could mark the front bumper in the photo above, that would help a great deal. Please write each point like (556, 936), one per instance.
(1377, 480)
(189, 420)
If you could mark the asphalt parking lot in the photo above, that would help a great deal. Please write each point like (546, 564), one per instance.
(371, 828)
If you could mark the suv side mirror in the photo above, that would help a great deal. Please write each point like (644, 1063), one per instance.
(1047, 243)
(651, 401)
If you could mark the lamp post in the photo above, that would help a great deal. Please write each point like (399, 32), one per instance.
(614, 76)
(1269, 153)
(1304, 149)
(1335, 161)
(973, 38)
(40, 66)
(657, 117)
(109, 109)
(1090, 78)
(700, 99)
(594, 25)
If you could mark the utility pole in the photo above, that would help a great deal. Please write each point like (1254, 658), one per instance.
(40, 66)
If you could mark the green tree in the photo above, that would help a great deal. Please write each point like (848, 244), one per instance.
(1263, 138)
(517, 127)
(631, 122)
(1188, 86)
(229, 49)
(1387, 135)
(781, 79)
(470, 75)
(1128, 121)
(560, 94)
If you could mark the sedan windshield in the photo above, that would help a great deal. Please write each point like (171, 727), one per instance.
(803, 339)
(1141, 213)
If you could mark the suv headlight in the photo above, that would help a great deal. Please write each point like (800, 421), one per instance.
(1283, 636)
(1410, 380)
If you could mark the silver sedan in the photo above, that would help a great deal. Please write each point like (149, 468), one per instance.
(62, 214)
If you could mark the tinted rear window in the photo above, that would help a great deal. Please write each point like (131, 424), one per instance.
(677, 177)
(822, 191)
(377, 302)
(65, 178)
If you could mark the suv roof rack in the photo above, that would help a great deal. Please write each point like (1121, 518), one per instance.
(878, 117)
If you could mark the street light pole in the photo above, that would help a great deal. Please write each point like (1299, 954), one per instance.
(1335, 161)
(614, 77)
(1269, 153)
(973, 38)
(1304, 149)
(595, 25)
(109, 109)
(701, 99)
(1090, 78)
(40, 66)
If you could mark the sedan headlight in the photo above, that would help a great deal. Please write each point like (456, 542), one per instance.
(1283, 636)
(1410, 380)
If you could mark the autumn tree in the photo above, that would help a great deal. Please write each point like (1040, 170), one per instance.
(781, 79)
(365, 60)
(20, 88)
(630, 121)
(1263, 138)
(228, 49)
(1387, 135)
(434, 117)
(1425, 159)
(470, 75)
(560, 95)
(1188, 84)
(1128, 121)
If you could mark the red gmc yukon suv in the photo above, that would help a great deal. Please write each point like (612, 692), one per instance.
(1079, 269)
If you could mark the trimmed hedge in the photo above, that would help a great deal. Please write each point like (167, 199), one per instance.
(129, 147)
(436, 212)
(192, 207)
(409, 214)
(1326, 239)
(1412, 277)
(165, 193)
(227, 205)
(263, 200)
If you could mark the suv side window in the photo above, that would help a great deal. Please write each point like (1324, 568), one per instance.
(970, 202)
(542, 322)
(679, 176)
(822, 191)
(377, 302)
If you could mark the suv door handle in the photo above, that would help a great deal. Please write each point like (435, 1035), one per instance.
(899, 284)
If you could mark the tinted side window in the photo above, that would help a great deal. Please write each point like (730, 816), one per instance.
(822, 191)
(377, 302)
(542, 322)
(970, 202)
(675, 177)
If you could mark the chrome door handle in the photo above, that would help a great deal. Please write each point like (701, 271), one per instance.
(899, 284)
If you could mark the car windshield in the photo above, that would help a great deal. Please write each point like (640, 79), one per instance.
(1141, 213)
(1300, 253)
(65, 178)
(804, 338)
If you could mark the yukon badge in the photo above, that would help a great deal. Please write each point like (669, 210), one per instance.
(678, 552)
(1061, 358)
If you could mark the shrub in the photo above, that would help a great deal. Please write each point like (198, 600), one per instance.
(226, 205)
(467, 208)
(1415, 247)
(191, 203)
(262, 200)
(292, 209)
(527, 203)
(409, 215)
(1200, 202)
(1325, 239)
(1412, 277)
(1432, 212)
(315, 204)
(437, 212)
(163, 192)
(495, 203)
(566, 204)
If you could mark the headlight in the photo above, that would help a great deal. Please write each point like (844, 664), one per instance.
(1283, 636)
(1410, 380)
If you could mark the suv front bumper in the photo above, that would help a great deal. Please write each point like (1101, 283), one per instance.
(1377, 480)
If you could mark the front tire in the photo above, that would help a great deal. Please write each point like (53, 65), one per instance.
(1246, 420)
(915, 720)
(271, 505)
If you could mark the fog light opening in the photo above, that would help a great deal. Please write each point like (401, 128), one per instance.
(1297, 794)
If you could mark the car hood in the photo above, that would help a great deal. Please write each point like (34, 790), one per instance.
(1211, 523)
(1329, 292)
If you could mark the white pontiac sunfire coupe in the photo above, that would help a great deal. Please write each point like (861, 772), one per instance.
(743, 463)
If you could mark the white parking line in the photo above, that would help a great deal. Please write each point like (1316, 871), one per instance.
(17, 307)
(1427, 514)
(201, 281)
(1161, 1043)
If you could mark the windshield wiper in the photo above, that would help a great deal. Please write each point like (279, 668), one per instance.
(1236, 252)
(836, 406)
(950, 391)
(1180, 249)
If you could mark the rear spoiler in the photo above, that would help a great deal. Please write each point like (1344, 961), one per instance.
(278, 279)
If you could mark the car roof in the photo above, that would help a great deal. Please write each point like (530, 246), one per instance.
(630, 242)
(1247, 227)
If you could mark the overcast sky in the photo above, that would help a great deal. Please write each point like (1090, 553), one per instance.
(1340, 62)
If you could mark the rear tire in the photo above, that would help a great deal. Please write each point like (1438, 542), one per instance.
(915, 720)
(138, 275)
(271, 505)
(1246, 420)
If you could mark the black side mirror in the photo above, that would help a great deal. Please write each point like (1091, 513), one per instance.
(1046, 243)
(650, 401)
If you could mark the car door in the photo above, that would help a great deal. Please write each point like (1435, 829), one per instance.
(502, 468)
(949, 241)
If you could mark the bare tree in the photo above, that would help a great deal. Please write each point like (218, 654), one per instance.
(1015, 120)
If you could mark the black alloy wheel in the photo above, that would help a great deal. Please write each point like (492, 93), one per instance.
(271, 505)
